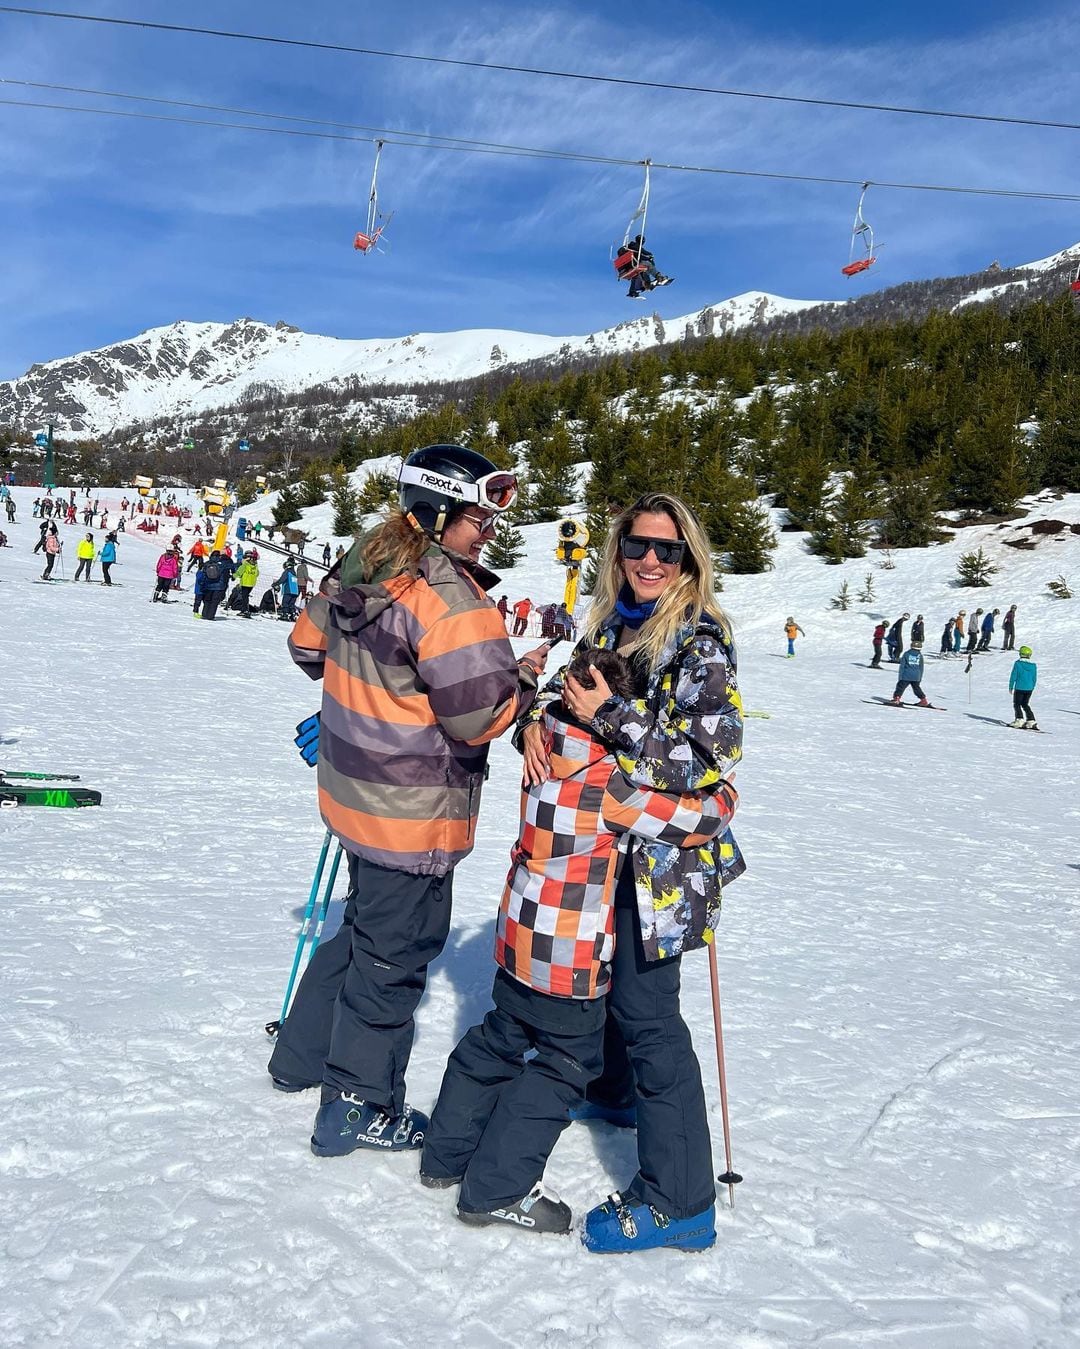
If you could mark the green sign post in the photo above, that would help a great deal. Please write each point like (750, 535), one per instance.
(48, 477)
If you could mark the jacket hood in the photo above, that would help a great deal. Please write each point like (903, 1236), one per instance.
(357, 600)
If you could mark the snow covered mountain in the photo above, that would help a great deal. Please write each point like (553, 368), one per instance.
(188, 368)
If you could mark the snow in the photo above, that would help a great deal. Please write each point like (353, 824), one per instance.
(897, 969)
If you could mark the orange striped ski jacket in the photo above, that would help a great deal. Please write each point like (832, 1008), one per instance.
(418, 677)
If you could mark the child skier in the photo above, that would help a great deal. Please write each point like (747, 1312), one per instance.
(512, 1082)
(791, 630)
(1022, 681)
(910, 672)
(878, 638)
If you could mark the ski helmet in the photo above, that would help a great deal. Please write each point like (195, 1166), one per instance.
(436, 481)
(1025, 652)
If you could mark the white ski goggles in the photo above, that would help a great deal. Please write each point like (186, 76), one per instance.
(495, 491)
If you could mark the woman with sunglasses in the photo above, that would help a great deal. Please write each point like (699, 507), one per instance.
(419, 677)
(682, 732)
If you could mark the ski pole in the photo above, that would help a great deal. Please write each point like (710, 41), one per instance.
(729, 1178)
(317, 934)
(272, 1027)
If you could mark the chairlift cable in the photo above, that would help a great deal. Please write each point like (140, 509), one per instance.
(507, 68)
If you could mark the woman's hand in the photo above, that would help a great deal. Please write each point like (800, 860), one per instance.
(582, 702)
(536, 659)
(535, 753)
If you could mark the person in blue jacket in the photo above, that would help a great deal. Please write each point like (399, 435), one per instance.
(988, 629)
(289, 588)
(1022, 680)
(107, 557)
(211, 581)
(911, 672)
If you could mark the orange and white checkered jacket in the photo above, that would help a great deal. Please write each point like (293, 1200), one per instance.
(555, 928)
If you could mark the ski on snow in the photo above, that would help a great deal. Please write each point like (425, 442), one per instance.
(888, 702)
(8, 774)
(14, 794)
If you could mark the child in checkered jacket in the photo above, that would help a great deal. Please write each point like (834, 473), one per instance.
(500, 1113)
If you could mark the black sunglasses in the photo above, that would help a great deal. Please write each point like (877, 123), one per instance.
(635, 546)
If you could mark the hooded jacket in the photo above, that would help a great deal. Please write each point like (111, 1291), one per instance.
(555, 928)
(684, 735)
(418, 676)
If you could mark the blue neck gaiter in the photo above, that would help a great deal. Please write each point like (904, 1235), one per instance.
(633, 612)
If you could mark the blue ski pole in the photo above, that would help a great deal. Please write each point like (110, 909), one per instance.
(325, 902)
(272, 1027)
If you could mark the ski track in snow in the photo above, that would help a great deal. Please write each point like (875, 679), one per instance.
(897, 968)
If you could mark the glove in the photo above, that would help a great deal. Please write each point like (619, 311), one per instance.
(307, 739)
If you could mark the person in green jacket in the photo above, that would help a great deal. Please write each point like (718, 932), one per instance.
(1022, 680)
(247, 573)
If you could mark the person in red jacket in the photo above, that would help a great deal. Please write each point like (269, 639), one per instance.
(879, 637)
(522, 610)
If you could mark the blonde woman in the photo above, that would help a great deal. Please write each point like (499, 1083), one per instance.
(682, 732)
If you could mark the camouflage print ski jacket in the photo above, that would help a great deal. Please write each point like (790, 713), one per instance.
(418, 676)
(555, 928)
(683, 735)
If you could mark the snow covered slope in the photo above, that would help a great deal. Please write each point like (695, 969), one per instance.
(187, 368)
(897, 967)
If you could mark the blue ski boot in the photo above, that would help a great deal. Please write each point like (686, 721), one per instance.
(347, 1123)
(620, 1226)
(622, 1116)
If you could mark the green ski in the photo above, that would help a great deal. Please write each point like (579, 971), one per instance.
(65, 798)
(9, 775)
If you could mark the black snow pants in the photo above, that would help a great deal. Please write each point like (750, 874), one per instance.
(1009, 638)
(351, 1024)
(1022, 704)
(904, 684)
(499, 1114)
(210, 601)
(877, 655)
(649, 1061)
(86, 562)
(106, 572)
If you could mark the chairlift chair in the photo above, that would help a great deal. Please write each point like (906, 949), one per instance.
(368, 238)
(862, 233)
(625, 259)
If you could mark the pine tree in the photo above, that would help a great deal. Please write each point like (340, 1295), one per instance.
(842, 599)
(751, 540)
(345, 500)
(507, 547)
(551, 479)
(909, 518)
(1059, 589)
(312, 486)
(245, 491)
(378, 490)
(287, 508)
(866, 594)
(975, 568)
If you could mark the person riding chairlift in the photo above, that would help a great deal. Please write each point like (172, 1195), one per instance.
(637, 265)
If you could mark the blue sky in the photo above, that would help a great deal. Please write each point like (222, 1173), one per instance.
(108, 227)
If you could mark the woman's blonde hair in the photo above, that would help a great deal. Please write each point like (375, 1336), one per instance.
(395, 546)
(691, 593)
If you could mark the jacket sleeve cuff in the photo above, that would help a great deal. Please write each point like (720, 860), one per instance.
(608, 724)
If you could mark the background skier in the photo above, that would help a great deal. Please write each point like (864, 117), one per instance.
(1022, 680)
